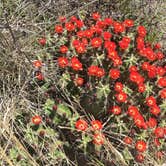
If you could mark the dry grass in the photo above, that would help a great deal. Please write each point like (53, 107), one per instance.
(22, 22)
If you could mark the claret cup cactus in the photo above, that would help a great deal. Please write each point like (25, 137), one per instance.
(108, 88)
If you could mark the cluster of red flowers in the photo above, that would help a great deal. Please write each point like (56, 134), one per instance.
(38, 65)
(124, 43)
(95, 48)
(137, 78)
(151, 102)
(96, 71)
(74, 63)
(137, 117)
(96, 126)
(140, 146)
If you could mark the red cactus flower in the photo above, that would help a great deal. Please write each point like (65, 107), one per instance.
(96, 124)
(128, 23)
(159, 132)
(141, 88)
(163, 93)
(157, 141)
(118, 86)
(140, 40)
(40, 76)
(161, 82)
(139, 157)
(107, 35)
(141, 146)
(63, 62)
(117, 61)
(110, 46)
(100, 72)
(121, 97)
(37, 63)
(108, 21)
(152, 122)
(141, 31)
(115, 110)
(62, 18)
(98, 139)
(95, 16)
(133, 69)
(79, 23)
(79, 81)
(76, 64)
(157, 46)
(42, 41)
(63, 49)
(69, 26)
(36, 120)
(73, 19)
(112, 54)
(159, 55)
(151, 101)
(139, 121)
(58, 29)
(75, 42)
(88, 33)
(133, 111)
(124, 43)
(92, 70)
(80, 34)
(136, 77)
(96, 42)
(81, 125)
(145, 66)
(140, 45)
(128, 140)
(155, 110)
(160, 71)
(118, 27)
(100, 26)
(84, 41)
(114, 73)
(152, 71)
(80, 48)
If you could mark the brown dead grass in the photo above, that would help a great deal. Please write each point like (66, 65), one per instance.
(22, 22)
